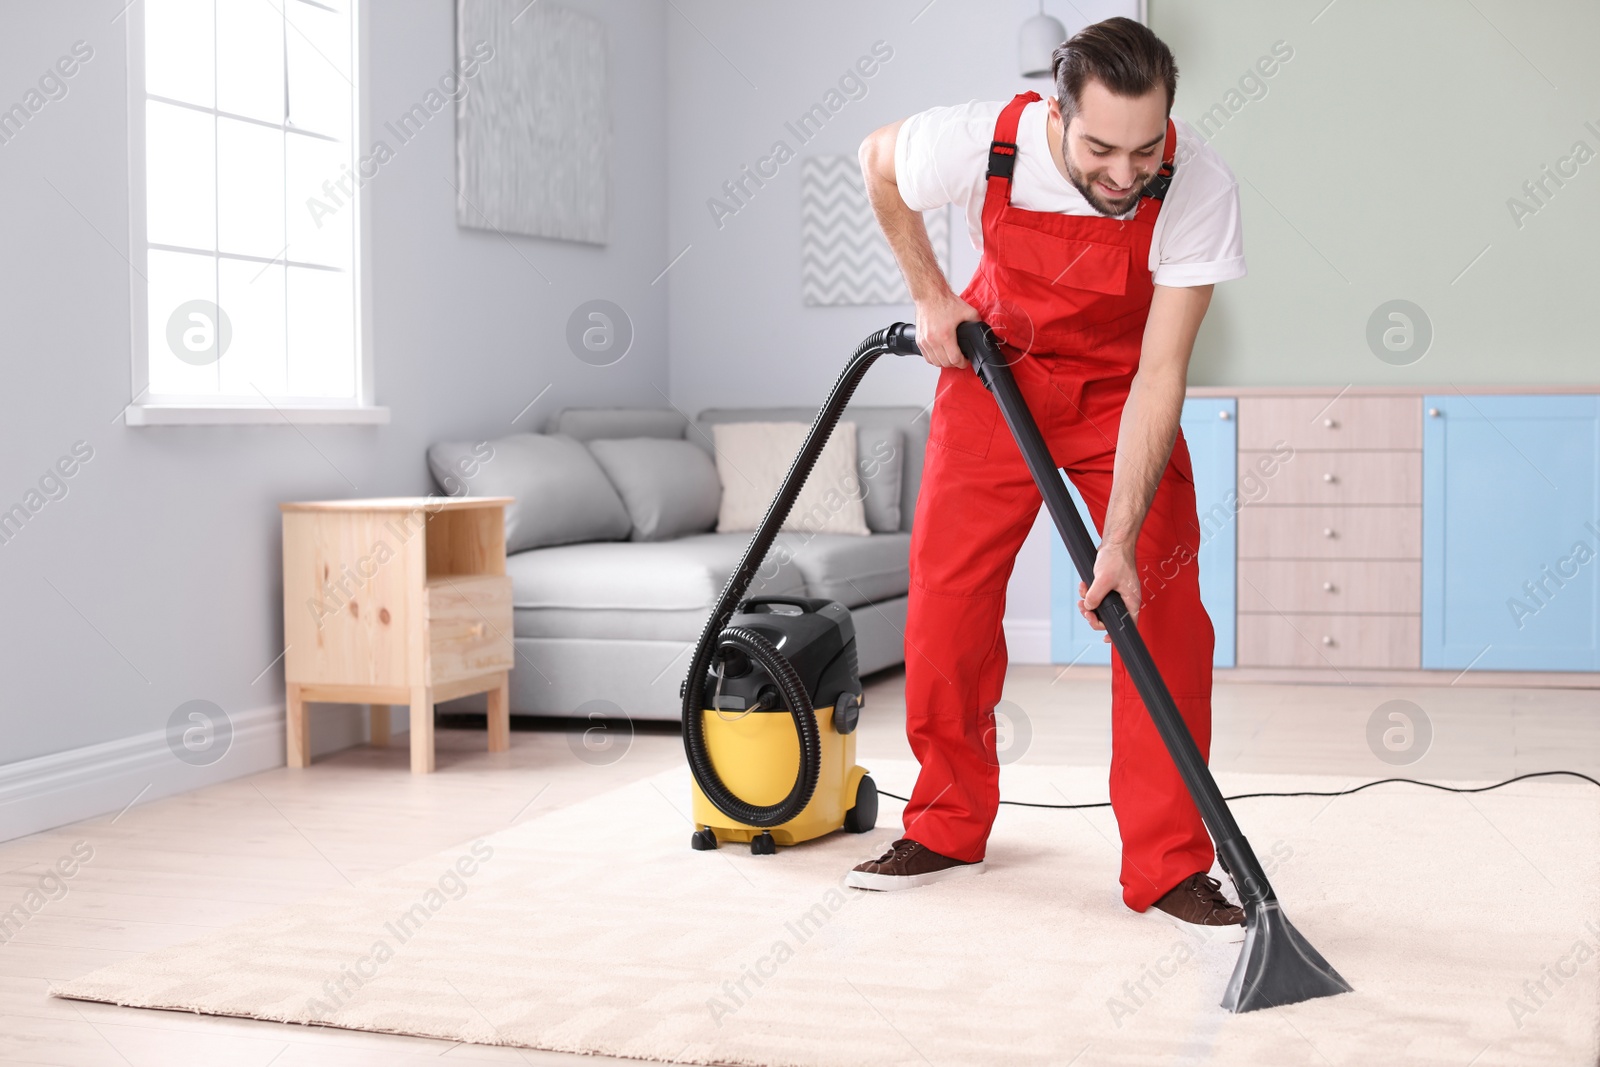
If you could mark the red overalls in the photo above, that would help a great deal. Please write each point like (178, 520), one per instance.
(1069, 296)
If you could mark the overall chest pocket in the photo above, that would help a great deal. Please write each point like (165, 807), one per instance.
(1093, 265)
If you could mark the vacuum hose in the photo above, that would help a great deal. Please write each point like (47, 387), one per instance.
(718, 635)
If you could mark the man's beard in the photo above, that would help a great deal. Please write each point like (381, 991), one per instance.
(1097, 199)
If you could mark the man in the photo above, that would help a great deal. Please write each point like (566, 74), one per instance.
(1103, 225)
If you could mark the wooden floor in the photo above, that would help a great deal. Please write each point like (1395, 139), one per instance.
(167, 871)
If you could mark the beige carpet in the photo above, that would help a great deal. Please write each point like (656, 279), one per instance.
(1469, 927)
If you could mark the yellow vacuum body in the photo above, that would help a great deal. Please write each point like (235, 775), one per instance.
(774, 756)
(757, 756)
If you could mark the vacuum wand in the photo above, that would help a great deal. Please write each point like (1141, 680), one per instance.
(1277, 965)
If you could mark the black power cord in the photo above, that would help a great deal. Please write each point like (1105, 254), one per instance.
(1336, 793)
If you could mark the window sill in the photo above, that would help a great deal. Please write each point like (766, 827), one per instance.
(253, 414)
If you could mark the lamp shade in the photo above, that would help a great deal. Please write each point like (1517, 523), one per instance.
(1037, 43)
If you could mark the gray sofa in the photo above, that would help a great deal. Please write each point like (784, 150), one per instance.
(608, 625)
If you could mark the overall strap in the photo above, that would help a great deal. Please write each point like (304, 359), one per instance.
(1003, 150)
(1157, 189)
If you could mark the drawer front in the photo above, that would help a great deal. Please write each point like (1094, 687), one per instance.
(469, 626)
(1305, 532)
(1331, 478)
(1349, 422)
(1335, 586)
(1376, 641)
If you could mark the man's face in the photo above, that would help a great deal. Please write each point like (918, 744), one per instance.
(1112, 147)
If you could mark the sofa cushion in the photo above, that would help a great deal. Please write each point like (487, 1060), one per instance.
(685, 574)
(670, 487)
(851, 570)
(664, 590)
(752, 459)
(561, 493)
(880, 457)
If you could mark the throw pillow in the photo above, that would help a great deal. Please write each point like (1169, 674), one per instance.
(880, 455)
(752, 459)
(669, 487)
(562, 495)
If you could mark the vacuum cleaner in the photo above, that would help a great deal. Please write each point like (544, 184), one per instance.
(773, 694)
(1277, 965)
(774, 755)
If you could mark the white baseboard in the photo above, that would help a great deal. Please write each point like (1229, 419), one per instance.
(1028, 640)
(103, 779)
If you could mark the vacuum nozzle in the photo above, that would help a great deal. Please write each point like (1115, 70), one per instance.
(1277, 966)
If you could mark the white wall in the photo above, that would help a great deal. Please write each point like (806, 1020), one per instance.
(737, 74)
(156, 579)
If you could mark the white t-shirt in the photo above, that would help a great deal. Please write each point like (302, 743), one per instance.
(941, 154)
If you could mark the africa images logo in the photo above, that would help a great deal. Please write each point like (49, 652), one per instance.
(199, 332)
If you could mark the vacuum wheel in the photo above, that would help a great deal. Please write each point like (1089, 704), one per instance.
(864, 816)
(703, 840)
(764, 844)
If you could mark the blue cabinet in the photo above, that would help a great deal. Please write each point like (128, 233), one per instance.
(1511, 533)
(1210, 425)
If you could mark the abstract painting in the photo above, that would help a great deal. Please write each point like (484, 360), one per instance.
(533, 122)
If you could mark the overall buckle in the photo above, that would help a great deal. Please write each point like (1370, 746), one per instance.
(1002, 160)
(1157, 189)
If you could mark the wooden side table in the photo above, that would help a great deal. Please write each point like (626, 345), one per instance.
(402, 600)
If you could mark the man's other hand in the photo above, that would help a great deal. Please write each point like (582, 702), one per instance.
(1114, 568)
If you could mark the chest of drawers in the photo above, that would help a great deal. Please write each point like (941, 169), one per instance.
(1330, 531)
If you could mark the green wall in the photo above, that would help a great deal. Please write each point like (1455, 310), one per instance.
(1377, 164)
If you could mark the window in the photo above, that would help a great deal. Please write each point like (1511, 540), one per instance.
(246, 211)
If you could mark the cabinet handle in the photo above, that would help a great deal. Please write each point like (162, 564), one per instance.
(1328, 478)
(1223, 415)
(1326, 640)
(1329, 423)
(1327, 531)
(1327, 587)
(1433, 413)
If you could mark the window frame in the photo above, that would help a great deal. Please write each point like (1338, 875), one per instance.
(145, 410)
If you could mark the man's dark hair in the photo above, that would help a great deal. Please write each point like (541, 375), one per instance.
(1120, 54)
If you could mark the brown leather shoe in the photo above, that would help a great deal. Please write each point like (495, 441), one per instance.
(1198, 899)
(907, 865)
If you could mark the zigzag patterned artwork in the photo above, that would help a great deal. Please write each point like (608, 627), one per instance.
(843, 256)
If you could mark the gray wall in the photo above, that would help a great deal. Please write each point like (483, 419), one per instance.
(1378, 165)
(164, 555)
